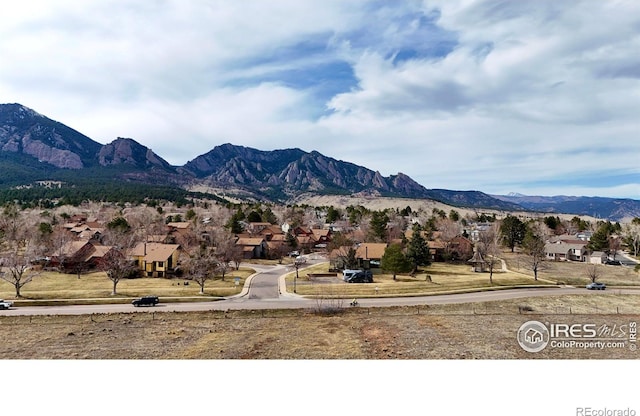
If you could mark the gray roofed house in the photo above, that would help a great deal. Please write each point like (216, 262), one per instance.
(561, 251)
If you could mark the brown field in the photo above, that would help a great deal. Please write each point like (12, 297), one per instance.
(451, 278)
(54, 285)
(467, 331)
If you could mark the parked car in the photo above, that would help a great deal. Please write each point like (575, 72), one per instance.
(348, 273)
(613, 262)
(596, 286)
(146, 301)
(5, 304)
(364, 276)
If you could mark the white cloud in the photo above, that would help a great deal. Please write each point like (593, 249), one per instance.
(466, 94)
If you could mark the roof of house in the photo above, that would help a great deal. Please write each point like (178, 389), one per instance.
(436, 244)
(182, 225)
(71, 248)
(260, 224)
(249, 241)
(371, 250)
(99, 251)
(154, 251)
(409, 233)
(304, 239)
(317, 232)
(339, 252)
(562, 248)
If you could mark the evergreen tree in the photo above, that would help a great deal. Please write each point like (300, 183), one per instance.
(333, 215)
(291, 240)
(600, 240)
(512, 231)
(269, 216)
(119, 224)
(254, 216)
(190, 215)
(378, 224)
(394, 260)
(418, 249)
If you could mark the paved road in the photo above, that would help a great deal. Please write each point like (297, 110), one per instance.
(296, 302)
(266, 290)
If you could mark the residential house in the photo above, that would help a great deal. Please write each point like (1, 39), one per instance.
(460, 248)
(563, 251)
(337, 258)
(368, 253)
(183, 233)
(253, 247)
(254, 228)
(322, 237)
(157, 259)
(268, 232)
(597, 257)
(277, 245)
(79, 255)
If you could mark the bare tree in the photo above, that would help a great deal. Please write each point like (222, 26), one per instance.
(632, 236)
(202, 266)
(227, 251)
(533, 245)
(592, 272)
(346, 257)
(147, 222)
(117, 263)
(448, 231)
(60, 240)
(489, 247)
(19, 250)
(19, 269)
(10, 223)
(614, 246)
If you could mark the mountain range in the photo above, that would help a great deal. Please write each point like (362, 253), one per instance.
(36, 148)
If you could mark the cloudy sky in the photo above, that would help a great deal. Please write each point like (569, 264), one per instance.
(537, 97)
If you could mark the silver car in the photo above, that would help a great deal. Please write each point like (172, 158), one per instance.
(596, 286)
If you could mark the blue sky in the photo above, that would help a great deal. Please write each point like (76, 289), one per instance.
(498, 96)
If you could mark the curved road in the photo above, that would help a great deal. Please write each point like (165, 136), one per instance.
(267, 290)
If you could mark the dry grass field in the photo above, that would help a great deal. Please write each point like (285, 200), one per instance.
(572, 273)
(454, 278)
(54, 285)
(467, 331)
(463, 331)
(445, 278)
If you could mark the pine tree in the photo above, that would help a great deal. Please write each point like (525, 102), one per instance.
(418, 249)
(394, 260)
(512, 231)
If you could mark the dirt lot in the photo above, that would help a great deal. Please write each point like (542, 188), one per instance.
(478, 331)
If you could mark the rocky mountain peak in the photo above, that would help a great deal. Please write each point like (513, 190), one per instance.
(129, 152)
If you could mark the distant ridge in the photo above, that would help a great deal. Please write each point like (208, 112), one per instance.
(36, 148)
(614, 209)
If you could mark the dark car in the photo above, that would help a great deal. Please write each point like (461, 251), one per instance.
(613, 262)
(146, 301)
(596, 286)
(364, 276)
